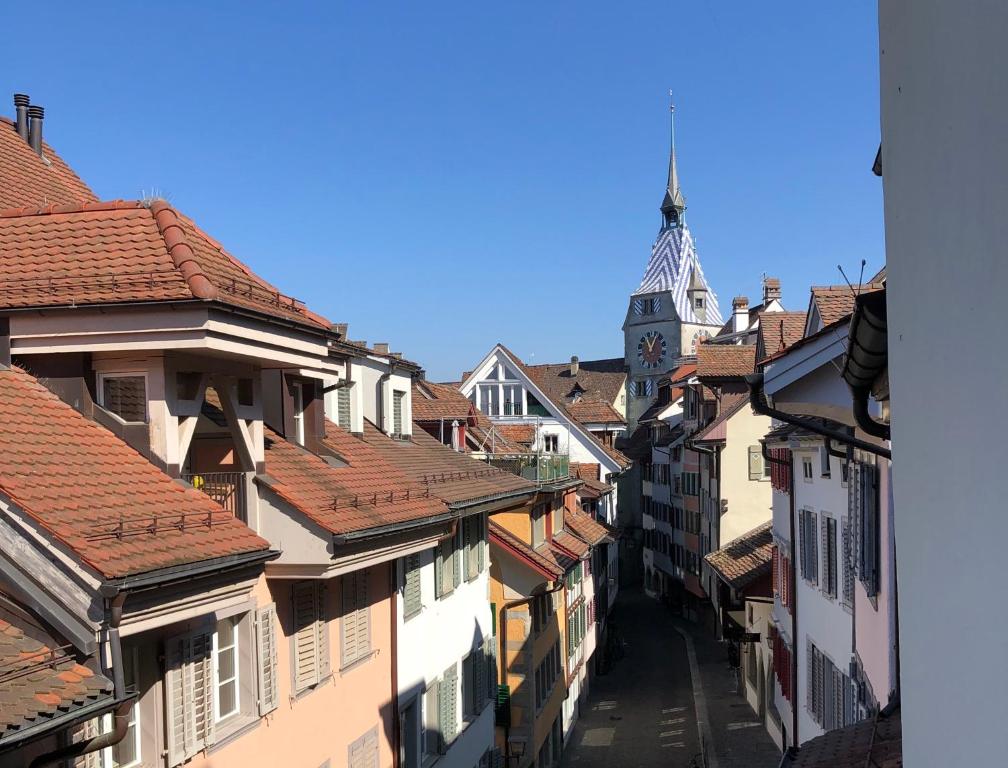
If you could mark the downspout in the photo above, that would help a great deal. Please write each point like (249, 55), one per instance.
(120, 715)
(381, 396)
(393, 623)
(792, 589)
(758, 402)
(864, 418)
(502, 627)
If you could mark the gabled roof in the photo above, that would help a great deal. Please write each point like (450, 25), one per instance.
(731, 403)
(595, 412)
(453, 477)
(570, 544)
(745, 559)
(124, 252)
(587, 529)
(89, 490)
(835, 302)
(724, 361)
(29, 180)
(778, 331)
(539, 558)
(42, 682)
(596, 379)
(433, 402)
(368, 493)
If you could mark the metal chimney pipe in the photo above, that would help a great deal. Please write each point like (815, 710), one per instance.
(21, 102)
(35, 115)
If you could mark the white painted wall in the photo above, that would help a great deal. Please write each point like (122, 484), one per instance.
(748, 500)
(445, 631)
(944, 98)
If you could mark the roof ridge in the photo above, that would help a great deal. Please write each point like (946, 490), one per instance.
(85, 207)
(182, 255)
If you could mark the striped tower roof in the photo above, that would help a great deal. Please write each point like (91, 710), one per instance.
(672, 266)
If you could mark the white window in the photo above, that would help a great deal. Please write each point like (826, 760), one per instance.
(124, 394)
(806, 469)
(489, 397)
(297, 396)
(551, 443)
(225, 652)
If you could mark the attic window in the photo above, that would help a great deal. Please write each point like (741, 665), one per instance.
(124, 394)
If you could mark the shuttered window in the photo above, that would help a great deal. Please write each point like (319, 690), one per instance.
(808, 534)
(267, 647)
(412, 594)
(355, 625)
(476, 681)
(343, 408)
(363, 753)
(847, 555)
(397, 412)
(755, 463)
(866, 486)
(310, 640)
(448, 706)
(431, 720)
(829, 556)
(189, 695)
(473, 535)
(447, 564)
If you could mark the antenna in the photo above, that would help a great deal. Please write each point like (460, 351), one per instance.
(860, 279)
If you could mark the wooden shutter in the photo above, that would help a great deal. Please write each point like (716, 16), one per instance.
(456, 558)
(412, 594)
(266, 637)
(814, 546)
(824, 540)
(322, 630)
(448, 706)
(870, 516)
(178, 695)
(306, 635)
(438, 572)
(802, 544)
(481, 543)
(755, 463)
(363, 615)
(431, 719)
(348, 623)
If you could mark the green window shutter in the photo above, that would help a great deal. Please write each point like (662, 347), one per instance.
(438, 571)
(467, 554)
(480, 673)
(456, 559)
(493, 619)
(411, 589)
(481, 543)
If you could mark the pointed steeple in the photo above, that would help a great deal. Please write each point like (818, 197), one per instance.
(673, 204)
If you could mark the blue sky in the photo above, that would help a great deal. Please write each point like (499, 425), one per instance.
(445, 175)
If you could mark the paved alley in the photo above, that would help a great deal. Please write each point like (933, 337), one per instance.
(642, 713)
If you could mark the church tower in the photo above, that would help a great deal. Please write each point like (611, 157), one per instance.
(672, 308)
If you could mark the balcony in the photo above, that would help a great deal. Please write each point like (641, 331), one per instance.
(540, 468)
(226, 488)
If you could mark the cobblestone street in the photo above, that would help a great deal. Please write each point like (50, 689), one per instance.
(643, 713)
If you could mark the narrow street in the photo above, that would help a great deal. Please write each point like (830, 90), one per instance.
(642, 713)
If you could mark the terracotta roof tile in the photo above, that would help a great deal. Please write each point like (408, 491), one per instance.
(369, 492)
(451, 476)
(570, 543)
(836, 302)
(522, 434)
(743, 560)
(601, 379)
(29, 180)
(595, 412)
(779, 330)
(433, 402)
(103, 500)
(587, 529)
(121, 251)
(725, 360)
(40, 678)
(638, 445)
(585, 470)
(540, 558)
(877, 742)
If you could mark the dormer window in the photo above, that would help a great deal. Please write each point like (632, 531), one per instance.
(124, 394)
(397, 412)
(297, 398)
(699, 302)
(343, 407)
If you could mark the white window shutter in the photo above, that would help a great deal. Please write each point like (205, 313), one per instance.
(825, 554)
(480, 687)
(457, 558)
(755, 463)
(266, 637)
(203, 688)
(178, 698)
(306, 635)
(438, 571)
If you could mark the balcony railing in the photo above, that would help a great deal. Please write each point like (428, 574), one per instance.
(537, 467)
(226, 488)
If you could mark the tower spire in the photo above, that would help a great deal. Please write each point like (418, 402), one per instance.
(673, 204)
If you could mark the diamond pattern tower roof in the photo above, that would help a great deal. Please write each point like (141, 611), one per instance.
(672, 266)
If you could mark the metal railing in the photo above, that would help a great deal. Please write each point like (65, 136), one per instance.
(537, 467)
(226, 488)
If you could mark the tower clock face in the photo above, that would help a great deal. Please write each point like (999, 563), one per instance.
(651, 349)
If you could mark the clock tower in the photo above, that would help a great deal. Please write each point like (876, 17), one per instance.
(672, 308)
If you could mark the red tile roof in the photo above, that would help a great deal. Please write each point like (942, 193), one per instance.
(119, 251)
(367, 493)
(449, 475)
(29, 180)
(40, 679)
(836, 302)
(570, 543)
(98, 496)
(877, 742)
(433, 402)
(585, 470)
(540, 558)
(745, 559)
(725, 360)
(595, 412)
(779, 330)
(600, 379)
(522, 434)
(587, 529)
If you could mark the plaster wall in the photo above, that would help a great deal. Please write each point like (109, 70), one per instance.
(749, 501)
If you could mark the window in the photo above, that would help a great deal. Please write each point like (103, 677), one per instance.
(807, 469)
(355, 626)
(829, 549)
(807, 534)
(551, 443)
(297, 398)
(124, 394)
(363, 753)
(699, 302)
(127, 752)
(489, 397)
(863, 495)
(847, 555)
(824, 462)
(546, 675)
(475, 689)
(643, 387)
(397, 412)
(412, 594)
(448, 706)
(830, 696)
(512, 400)
(447, 565)
(311, 634)
(557, 521)
(225, 651)
(246, 392)
(343, 407)
(472, 546)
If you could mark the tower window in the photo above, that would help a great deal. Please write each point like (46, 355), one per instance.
(699, 302)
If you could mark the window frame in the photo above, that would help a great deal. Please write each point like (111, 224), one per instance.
(297, 410)
(126, 374)
(234, 621)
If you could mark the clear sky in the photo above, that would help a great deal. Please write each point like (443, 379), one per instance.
(445, 175)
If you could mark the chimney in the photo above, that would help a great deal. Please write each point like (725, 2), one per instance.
(21, 102)
(740, 313)
(771, 290)
(340, 329)
(35, 115)
(381, 348)
(575, 366)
